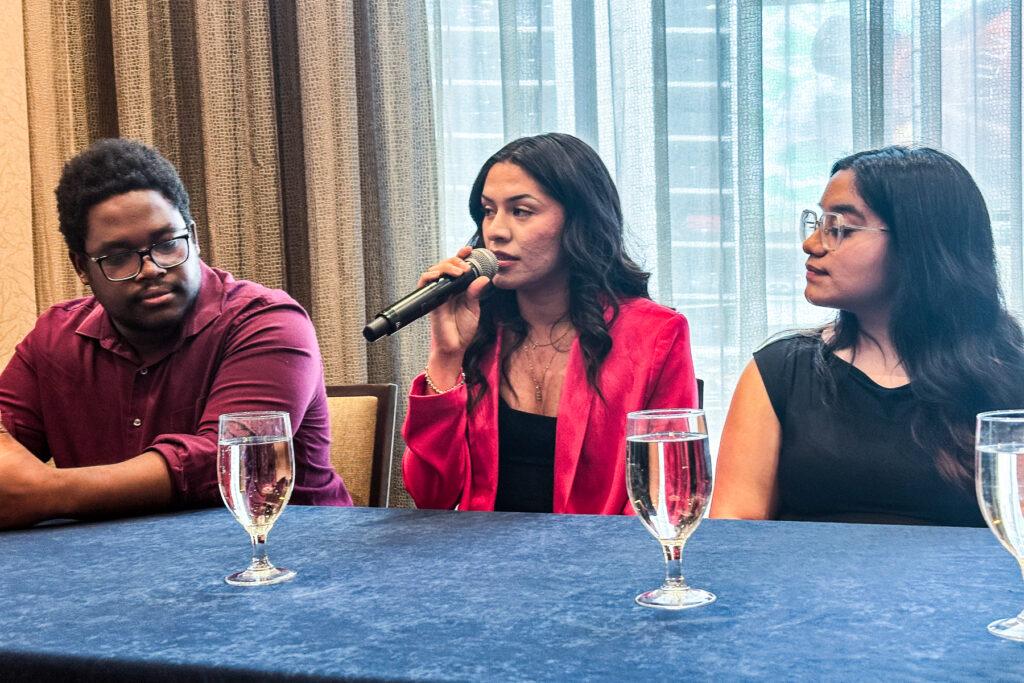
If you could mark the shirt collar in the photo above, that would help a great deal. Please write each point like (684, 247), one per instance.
(209, 303)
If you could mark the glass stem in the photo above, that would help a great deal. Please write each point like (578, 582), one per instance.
(674, 566)
(259, 552)
(1020, 561)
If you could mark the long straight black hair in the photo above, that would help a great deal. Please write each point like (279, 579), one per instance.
(961, 349)
(600, 273)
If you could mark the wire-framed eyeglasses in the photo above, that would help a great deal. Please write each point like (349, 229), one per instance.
(832, 228)
(126, 265)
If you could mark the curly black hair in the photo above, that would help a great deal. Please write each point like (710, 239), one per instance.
(110, 167)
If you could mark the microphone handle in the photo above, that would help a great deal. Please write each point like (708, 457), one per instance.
(417, 304)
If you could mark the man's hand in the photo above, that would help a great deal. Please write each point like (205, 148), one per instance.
(28, 488)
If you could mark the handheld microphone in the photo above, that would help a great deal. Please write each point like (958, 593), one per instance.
(429, 296)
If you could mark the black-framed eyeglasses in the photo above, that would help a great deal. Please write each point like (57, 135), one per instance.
(126, 265)
(832, 228)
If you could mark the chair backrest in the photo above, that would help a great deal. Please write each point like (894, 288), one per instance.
(362, 438)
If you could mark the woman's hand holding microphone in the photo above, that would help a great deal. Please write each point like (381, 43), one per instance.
(453, 324)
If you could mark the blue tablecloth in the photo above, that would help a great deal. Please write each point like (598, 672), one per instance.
(404, 594)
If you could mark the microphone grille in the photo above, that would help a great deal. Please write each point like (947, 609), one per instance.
(484, 261)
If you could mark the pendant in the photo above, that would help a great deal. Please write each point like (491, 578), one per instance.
(537, 395)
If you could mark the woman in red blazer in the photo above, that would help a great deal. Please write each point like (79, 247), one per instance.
(523, 402)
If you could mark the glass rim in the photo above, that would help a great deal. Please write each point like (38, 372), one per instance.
(664, 413)
(1010, 415)
(254, 414)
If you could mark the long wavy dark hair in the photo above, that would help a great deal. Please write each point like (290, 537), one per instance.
(600, 273)
(961, 349)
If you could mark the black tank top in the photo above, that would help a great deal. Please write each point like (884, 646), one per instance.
(852, 457)
(526, 461)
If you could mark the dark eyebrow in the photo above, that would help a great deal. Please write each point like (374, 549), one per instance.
(514, 198)
(848, 209)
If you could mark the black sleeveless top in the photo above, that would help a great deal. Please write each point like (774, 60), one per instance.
(852, 457)
(526, 461)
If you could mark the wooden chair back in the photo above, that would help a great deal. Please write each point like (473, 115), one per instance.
(362, 439)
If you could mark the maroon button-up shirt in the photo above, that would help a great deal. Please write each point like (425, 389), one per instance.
(75, 391)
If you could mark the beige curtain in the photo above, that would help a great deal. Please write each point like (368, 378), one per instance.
(17, 287)
(303, 131)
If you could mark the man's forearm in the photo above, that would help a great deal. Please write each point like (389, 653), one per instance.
(141, 484)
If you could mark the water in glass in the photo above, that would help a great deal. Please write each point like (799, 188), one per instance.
(255, 471)
(668, 479)
(999, 479)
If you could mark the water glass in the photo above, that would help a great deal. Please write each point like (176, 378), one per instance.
(668, 478)
(255, 471)
(998, 479)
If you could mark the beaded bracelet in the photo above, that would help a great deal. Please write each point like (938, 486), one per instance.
(426, 376)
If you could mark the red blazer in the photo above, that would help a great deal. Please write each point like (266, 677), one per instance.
(452, 456)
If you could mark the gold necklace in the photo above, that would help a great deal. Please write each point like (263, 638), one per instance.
(538, 384)
(552, 342)
(531, 348)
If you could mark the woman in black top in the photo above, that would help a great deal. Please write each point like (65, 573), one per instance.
(871, 417)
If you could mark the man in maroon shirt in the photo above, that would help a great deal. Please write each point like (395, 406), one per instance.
(123, 388)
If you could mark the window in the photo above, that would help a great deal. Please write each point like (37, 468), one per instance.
(657, 93)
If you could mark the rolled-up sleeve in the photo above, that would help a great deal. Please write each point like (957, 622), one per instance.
(271, 361)
(20, 411)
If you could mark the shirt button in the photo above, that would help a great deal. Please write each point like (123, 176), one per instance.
(136, 422)
(143, 371)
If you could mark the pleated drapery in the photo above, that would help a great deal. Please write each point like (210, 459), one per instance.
(17, 280)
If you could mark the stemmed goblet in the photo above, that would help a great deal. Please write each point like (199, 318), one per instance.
(255, 471)
(668, 478)
(998, 479)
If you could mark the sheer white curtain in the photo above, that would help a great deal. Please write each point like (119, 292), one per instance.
(719, 122)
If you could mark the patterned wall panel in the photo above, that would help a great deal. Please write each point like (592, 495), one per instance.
(17, 282)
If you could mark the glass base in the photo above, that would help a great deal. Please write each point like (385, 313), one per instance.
(675, 598)
(265, 576)
(1012, 628)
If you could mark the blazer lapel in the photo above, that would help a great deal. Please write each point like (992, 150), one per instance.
(484, 434)
(573, 416)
